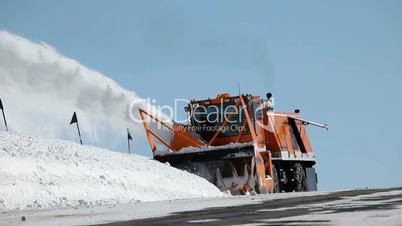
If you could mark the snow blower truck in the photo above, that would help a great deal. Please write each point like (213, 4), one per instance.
(238, 143)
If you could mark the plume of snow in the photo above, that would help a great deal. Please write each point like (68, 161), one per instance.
(41, 89)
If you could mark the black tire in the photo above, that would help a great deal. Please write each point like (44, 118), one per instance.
(275, 175)
(299, 178)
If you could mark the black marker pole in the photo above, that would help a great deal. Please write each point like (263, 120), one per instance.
(74, 119)
(4, 116)
(129, 138)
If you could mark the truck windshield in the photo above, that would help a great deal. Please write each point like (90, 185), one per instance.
(208, 118)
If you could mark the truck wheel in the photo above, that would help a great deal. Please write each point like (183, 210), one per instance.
(275, 176)
(300, 179)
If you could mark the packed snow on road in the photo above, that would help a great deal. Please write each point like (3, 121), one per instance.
(43, 173)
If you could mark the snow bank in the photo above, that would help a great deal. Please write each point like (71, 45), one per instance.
(36, 172)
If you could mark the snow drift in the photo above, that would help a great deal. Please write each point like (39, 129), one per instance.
(36, 172)
(41, 88)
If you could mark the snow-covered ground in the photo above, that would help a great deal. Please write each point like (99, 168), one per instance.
(43, 173)
(54, 182)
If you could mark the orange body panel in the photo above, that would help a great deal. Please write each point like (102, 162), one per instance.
(182, 138)
(282, 137)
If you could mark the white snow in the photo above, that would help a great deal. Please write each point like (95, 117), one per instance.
(38, 85)
(211, 148)
(39, 173)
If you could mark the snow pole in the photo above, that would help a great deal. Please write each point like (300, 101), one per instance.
(74, 119)
(129, 138)
(4, 116)
(79, 133)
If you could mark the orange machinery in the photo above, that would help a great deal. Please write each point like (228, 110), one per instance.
(238, 143)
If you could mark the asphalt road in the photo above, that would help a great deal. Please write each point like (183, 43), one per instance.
(272, 209)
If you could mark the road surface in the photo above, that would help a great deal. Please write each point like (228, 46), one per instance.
(276, 211)
(351, 207)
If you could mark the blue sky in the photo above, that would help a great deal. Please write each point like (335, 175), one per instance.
(340, 62)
